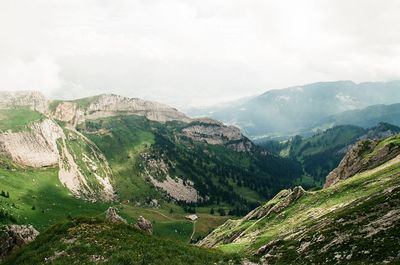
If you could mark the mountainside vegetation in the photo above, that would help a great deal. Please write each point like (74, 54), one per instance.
(354, 221)
(366, 117)
(94, 241)
(220, 175)
(322, 152)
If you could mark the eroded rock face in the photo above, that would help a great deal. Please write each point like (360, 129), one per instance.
(176, 188)
(362, 156)
(113, 217)
(282, 200)
(68, 112)
(12, 237)
(144, 225)
(216, 133)
(35, 148)
(112, 104)
(31, 99)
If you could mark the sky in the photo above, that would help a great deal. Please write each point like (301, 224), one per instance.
(190, 53)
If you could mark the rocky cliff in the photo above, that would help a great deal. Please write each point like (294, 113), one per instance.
(77, 111)
(364, 155)
(216, 133)
(31, 99)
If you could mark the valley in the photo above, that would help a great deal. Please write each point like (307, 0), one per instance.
(65, 164)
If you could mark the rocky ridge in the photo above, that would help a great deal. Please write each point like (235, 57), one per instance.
(81, 163)
(236, 229)
(364, 155)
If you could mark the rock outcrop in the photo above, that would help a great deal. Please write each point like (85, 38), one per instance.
(36, 147)
(12, 237)
(113, 105)
(31, 99)
(144, 225)
(157, 171)
(281, 201)
(216, 133)
(113, 217)
(364, 155)
(236, 229)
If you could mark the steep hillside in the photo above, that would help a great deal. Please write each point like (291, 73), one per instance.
(93, 241)
(190, 162)
(355, 221)
(365, 118)
(321, 153)
(291, 110)
(109, 148)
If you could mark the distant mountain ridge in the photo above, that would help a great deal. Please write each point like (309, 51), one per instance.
(290, 110)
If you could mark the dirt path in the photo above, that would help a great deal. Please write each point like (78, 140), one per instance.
(163, 215)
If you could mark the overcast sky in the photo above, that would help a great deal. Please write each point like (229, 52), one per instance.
(194, 52)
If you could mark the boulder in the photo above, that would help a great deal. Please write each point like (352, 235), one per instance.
(12, 237)
(113, 217)
(144, 225)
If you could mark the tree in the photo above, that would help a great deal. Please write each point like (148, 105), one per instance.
(221, 211)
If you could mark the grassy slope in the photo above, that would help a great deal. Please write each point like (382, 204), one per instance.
(347, 208)
(318, 154)
(17, 119)
(91, 241)
(38, 198)
(219, 173)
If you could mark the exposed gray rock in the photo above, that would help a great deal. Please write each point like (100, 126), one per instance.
(361, 157)
(216, 133)
(144, 225)
(281, 201)
(12, 237)
(31, 99)
(113, 217)
(35, 148)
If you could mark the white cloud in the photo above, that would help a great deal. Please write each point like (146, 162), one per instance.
(190, 52)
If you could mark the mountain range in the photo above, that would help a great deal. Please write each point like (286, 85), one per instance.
(299, 109)
(115, 180)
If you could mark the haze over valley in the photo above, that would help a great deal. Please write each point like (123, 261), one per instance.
(199, 132)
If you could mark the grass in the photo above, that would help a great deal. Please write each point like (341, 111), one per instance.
(18, 119)
(357, 196)
(92, 241)
(38, 198)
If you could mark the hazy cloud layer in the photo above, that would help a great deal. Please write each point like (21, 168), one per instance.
(190, 52)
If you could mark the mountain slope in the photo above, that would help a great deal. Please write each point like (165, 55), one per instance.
(289, 111)
(109, 148)
(93, 241)
(365, 118)
(322, 152)
(354, 221)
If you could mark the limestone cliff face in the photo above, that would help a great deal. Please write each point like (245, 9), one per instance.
(157, 170)
(45, 145)
(35, 148)
(31, 99)
(216, 133)
(112, 105)
(364, 155)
